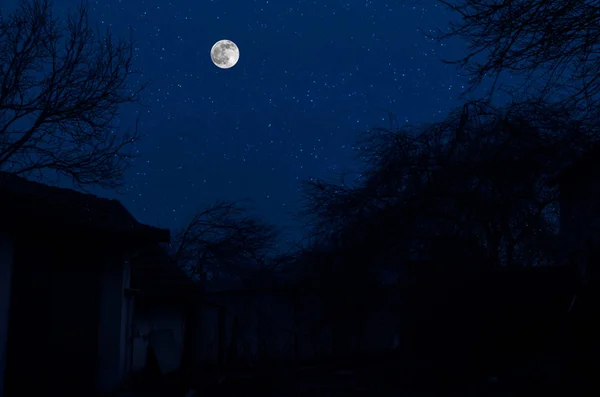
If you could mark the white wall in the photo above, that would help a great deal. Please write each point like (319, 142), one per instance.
(6, 259)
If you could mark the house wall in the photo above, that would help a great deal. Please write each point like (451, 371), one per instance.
(73, 323)
(53, 317)
(126, 345)
(69, 311)
(6, 260)
(28, 320)
(112, 332)
(167, 321)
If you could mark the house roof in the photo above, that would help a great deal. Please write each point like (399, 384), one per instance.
(29, 205)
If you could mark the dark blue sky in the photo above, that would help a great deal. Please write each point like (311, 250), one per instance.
(311, 75)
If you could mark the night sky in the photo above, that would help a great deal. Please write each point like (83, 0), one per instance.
(311, 75)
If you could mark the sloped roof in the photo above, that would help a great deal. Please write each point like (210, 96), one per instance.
(31, 205)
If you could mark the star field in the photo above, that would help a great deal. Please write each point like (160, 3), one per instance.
(311, 75)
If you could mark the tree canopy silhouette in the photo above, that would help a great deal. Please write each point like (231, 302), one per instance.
(456, 213)
(224, 241)
(484, 178)
(61, 89)
(552, 43)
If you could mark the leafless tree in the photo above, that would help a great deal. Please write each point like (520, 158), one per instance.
(61, 89)
(552, 43)
(224, 240)
(484, 177)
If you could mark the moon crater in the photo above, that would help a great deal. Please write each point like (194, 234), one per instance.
(225, 54)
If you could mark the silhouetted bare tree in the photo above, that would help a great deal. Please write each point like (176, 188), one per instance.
(224, 240)
(445, 207)
(61, 87)
(553, 43)
(484, 176)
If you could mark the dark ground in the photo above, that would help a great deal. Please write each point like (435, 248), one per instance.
(384, 379)
(387, 378)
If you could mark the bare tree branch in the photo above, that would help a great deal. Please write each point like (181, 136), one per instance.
(61, 89)
(485, 177)
(224, 240)
(554, 44)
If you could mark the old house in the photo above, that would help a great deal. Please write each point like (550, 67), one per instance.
(65, 297)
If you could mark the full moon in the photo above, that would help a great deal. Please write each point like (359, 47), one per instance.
(225, 54)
